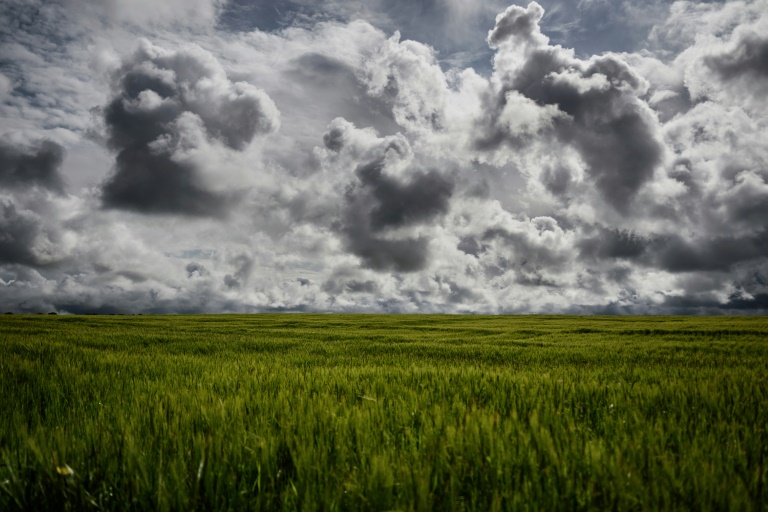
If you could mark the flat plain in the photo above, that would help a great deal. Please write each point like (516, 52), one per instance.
(375, 412)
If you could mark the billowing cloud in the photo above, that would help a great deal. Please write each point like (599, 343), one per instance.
(33, 227)
(19, 231)
(615, 134)
(748, 58)
(32, 187)
(167, 106)
(378, 203)
(386, 199)
(35, 164)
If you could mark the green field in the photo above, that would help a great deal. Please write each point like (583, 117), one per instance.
(363, 412)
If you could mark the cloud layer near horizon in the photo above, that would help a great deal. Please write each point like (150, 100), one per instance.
(186, 163)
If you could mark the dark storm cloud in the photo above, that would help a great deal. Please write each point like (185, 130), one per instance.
(710, 305)
(749, 211)
(623, 160)
(17, 235)
(613, 131)
(613, 244)
(425, 196)
(748, 58)
(378, 202)
(164, 105)
(758, 302)
(409, 255)
(35, 164)
(718, 253)
(673, 253)
(616, 140)
(149, 183)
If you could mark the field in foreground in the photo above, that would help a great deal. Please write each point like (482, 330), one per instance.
(358, 412)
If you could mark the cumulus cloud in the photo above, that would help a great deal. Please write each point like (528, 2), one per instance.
(35, 164)
(379, 203)
(166, 106)
(19, 231)
(387, 197)
(32, 190)
(601, 114)
(748, 58)
(33, 228)
(546, 179)
(518, 26)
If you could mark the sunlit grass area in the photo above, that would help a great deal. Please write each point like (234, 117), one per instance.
(365, 412)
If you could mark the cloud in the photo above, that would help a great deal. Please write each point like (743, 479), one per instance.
(518, 26)
(721, 50)
(388, 195)
(31, 195)
(599, 110)
(33, 228)
(718, 253)
(195, 270)
(687, 23)
(674, 253)
(408, 75)
(742, 65)
(166, 106)
(6, 86)
(18, 232)
(146, 12)
(748, 58)
(243, 265)
(34, 164)
(546, 179)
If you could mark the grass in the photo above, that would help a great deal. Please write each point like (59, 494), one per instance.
(359, 412)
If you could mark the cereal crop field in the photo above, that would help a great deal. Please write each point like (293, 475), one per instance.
(375, 412)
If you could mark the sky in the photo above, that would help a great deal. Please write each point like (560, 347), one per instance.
(404, 156)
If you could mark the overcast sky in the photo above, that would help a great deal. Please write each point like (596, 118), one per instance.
(419, 156)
